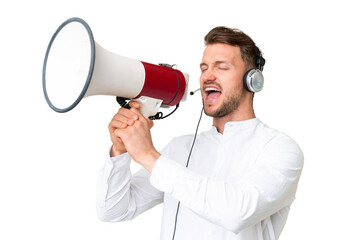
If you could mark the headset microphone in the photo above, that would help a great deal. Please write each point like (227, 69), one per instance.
(192, 92)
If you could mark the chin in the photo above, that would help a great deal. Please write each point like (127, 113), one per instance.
(210, 111)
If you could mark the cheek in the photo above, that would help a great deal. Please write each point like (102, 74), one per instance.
(233, 83)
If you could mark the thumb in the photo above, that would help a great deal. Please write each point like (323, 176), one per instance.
(136, 110)
(150, 123)
(134, 104)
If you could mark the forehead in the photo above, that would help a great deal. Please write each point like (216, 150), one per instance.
(221, 52)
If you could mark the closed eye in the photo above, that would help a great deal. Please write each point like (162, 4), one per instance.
(203, 67)
(223, 66)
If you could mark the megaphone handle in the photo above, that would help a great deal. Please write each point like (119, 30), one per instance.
(148, 106)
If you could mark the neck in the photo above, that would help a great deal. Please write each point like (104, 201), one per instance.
(238, 115)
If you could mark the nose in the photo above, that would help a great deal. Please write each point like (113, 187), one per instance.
(208, 75)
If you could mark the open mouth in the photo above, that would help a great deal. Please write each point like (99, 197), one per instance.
(212, 94)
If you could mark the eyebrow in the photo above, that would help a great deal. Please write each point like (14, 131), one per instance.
(202, 64)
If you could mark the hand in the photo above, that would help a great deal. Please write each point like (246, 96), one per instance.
(137, 138)
(123, 118)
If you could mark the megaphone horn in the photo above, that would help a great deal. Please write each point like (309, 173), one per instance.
(75, 66)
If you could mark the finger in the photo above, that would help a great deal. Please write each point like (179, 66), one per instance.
(115, 139)
(113, 125)
(124, 116)
(118, 132)
(128, 120)
(127, 113)
(138, 113)
(120, 121)
(134, 104)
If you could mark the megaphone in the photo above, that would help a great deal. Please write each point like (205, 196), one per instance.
(75, 67)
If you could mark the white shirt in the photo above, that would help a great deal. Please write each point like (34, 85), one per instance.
(238, 185)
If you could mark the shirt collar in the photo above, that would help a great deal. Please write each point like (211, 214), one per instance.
(237, 125)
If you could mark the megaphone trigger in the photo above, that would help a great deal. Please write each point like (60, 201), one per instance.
(148, 106)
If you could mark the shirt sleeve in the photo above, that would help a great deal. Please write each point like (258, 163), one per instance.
(268, 187)
(121, 195)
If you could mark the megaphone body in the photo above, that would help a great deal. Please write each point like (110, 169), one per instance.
(76, 67)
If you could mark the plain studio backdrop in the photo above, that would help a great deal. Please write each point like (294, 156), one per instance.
(49, 162)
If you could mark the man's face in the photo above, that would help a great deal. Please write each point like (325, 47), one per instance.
(222, 71)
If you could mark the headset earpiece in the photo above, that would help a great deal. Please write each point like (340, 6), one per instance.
(253, 80)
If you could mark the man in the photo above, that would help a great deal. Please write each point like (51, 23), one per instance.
(242, 175)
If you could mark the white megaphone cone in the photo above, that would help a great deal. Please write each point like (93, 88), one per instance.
(75, 67)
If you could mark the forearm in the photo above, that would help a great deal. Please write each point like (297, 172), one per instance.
(233, 206)
(121, 195)
(113, 190)
(149, 160)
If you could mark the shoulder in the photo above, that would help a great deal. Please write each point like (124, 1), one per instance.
(279, 145)
(273, 136)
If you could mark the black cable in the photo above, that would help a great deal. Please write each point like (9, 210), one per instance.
(177, 211)
(177, 76)
(196, 131)
(159, 115)
(187, 164)
(123, 102)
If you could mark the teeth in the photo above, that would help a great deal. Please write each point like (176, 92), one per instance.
(212, 89)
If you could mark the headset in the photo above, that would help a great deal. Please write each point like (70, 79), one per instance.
(254, 79)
